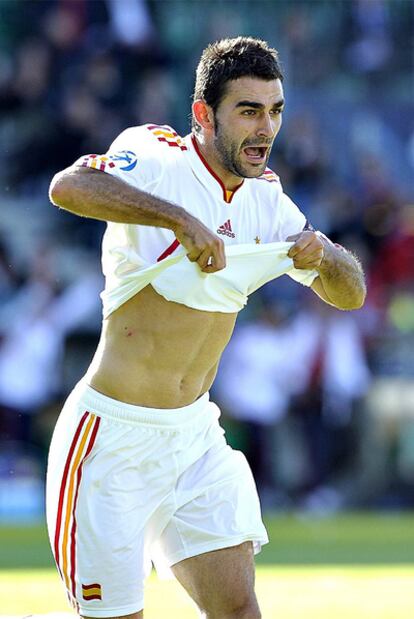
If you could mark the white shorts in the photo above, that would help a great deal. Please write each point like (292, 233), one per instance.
(128, 485)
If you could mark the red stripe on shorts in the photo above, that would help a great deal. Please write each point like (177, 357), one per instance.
(63, 488)
(73, 531)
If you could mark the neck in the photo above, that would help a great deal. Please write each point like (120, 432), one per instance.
(230, 181)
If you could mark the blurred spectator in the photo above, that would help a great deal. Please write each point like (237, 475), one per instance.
(333, 379)
(312, 367)
(254, 385)
(34, 324)
(8, 276)
(370, 48)
(131, 23)
(300, 158)
(392, 269)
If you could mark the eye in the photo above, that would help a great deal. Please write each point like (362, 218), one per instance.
(249, 112)
(277, 111)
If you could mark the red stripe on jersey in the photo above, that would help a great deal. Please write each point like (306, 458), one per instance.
(213, 174)
(169, 250)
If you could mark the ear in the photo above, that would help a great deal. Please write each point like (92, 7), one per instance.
(203, 114)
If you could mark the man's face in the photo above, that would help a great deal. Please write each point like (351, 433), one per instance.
(246, 123)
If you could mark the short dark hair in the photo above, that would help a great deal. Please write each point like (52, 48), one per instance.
(230, 59)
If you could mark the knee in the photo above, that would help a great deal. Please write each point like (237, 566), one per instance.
(250, 611)
(246, 610)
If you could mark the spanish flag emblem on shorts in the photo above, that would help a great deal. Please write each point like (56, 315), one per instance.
(92, 592)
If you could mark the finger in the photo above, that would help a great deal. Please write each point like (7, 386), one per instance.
(296, 249)
(293, 237)
(194, 255)
(308, 242)
(210, 269)
(209, 263)
(216, 258)
(206, 259)
(309, 252)
(220, 255)
(308, 263)
(299, 246)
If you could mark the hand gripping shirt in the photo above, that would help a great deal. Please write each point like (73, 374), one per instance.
(253, 222)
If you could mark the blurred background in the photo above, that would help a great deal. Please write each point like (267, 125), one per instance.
(321, 401)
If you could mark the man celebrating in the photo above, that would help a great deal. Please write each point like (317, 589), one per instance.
(139, 469)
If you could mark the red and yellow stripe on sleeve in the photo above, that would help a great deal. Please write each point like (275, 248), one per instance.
(97, 162)
(269, 175)
(65, 532)
(166, 134)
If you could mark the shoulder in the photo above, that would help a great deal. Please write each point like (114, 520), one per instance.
(269, 176)
(166, 136)
(267, 185)
(155, 138)
(152, 146)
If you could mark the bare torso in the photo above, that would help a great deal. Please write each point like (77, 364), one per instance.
(157, 353)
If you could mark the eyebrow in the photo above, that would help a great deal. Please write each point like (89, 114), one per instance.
(259, 106)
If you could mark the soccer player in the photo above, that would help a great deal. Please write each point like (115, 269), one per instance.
(139, 469)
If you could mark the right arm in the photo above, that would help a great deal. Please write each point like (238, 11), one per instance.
(95, 194)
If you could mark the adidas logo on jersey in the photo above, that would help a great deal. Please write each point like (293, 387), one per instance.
(226, 229)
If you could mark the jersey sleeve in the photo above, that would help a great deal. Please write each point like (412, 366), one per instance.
(290, 218)
(133, 157)
(290, 221)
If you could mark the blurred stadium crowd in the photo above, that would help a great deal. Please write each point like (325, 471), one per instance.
(321, 401)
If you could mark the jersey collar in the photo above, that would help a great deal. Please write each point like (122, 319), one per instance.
(204, 172)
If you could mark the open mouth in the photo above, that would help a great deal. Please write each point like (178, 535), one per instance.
(256, 154)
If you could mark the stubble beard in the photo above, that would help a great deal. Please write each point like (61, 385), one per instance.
(229, 155)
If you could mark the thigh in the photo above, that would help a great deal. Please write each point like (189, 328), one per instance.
(217, 507)
(99, 499)
(220, 581)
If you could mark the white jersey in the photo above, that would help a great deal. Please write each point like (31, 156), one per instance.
(253, 222)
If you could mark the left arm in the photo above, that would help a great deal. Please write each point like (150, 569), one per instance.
(341, 281)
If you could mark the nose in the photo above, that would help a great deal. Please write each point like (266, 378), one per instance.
(267, 127)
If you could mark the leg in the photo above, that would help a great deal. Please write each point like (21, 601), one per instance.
(96, 540)
(221, 582)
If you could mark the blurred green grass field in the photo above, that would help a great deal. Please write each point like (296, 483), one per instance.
(351, 566)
